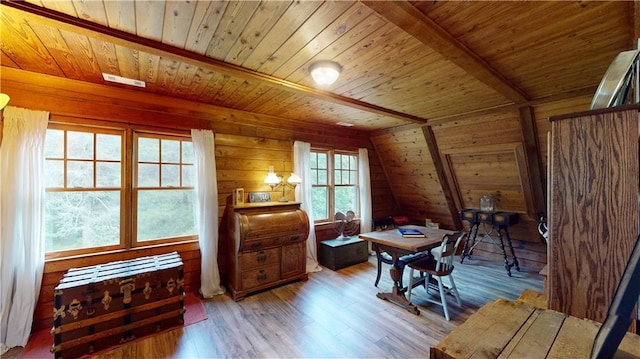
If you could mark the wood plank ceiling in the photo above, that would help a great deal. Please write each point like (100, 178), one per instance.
(403, 62)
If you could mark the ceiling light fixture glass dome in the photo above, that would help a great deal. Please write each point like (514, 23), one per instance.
(325, 72)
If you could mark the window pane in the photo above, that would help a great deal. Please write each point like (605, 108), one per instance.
(54, 173)
(108, 147)
(80, 174)
(322, 177)
(54, 144)
(108, 174)
(320, 203)
(148, 149)
(345, 162)
(80, 145)
(187, 176)
(170, 175)
(187, 152)
(337, 178)
(322, 160)
(337, 163)
(76, 220)
(313, 160)
(165, 214)
(170, 151)
(148, 175)
(345, 199)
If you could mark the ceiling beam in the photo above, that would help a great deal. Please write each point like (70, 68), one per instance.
(411, 20)
(121, 38)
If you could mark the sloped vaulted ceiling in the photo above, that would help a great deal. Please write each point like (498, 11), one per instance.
(403, 62)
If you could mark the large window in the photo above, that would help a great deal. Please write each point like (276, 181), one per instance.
(100, 198)
(164, 192)
(334, 176)
(83, 180)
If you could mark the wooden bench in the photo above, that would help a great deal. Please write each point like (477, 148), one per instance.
(519, 330)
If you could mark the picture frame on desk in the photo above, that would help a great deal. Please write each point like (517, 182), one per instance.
(255, 197)
(238, 196)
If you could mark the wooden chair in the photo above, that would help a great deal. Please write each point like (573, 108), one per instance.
(438, 266)
(384, 224)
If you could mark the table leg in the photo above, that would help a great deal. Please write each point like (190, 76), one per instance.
(507, 265)
(504, 253)
(470, 242)
(513, 253)
(397, 294)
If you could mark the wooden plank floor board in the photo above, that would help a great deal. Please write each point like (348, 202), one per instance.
(335, 314)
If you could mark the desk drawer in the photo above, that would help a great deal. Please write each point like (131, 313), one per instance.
(256, 259)
(260, 276)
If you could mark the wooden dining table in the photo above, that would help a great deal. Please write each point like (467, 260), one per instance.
(397, 246)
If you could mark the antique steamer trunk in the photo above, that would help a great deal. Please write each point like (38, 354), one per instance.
(266, 246)
(104, 305)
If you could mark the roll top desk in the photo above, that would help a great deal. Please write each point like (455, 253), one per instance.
(265, 245)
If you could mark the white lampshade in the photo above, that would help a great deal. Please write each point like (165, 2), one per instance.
(325, 72)
(272, 178)
(294, 179)
(4, 100)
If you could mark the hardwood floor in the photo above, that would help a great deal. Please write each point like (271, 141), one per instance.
(332, 315)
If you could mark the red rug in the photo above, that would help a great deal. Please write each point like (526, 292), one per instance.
(40, 342)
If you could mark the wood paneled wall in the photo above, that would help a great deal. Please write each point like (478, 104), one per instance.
(429, 171)
(246, 145)
(476, 154)
(411, 173)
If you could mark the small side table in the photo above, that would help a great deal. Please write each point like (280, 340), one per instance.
(500, 221)
(340, 253)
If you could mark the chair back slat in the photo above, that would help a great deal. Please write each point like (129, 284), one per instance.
(447, 251)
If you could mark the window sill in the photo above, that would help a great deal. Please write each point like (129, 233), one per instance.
(64, 263)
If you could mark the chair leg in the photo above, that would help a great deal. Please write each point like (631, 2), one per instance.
(379, 273)
(410, 284)
(427, 280)
(454, 290)
(443, 299)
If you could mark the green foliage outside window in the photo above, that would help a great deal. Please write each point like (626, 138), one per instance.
(85, 187)
(341, 193)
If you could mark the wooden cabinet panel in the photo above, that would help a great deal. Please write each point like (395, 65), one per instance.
(266, 246)
(293, 259)
(593, 219)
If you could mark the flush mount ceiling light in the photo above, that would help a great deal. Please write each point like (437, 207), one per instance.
(325, 72)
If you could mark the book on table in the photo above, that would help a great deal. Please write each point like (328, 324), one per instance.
(410, 232)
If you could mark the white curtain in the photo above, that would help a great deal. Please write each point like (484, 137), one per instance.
(21, 221)
(364, 181)
(206, 188)
(301, 159)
